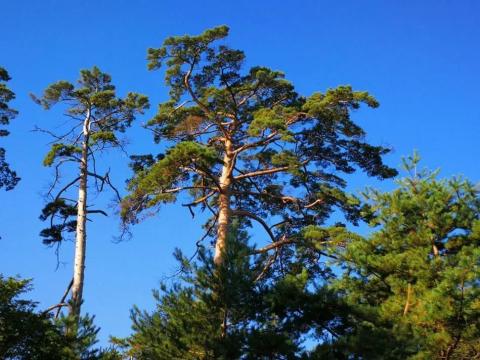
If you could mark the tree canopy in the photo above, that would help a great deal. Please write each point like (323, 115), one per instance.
(8, 177)
(243, 143)
(97, 116)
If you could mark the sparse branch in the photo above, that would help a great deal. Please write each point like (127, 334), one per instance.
(201, 172)
(61, 303)
(262, 172)
(105, 180)
(97, 212)
(269, 139)
(57, 175)
(66, 187)
(200, 200)
(270, 262)
(57, 138)
(267, 171)
(275, 245)
(186, 81)
(181, 188)
(240, 212)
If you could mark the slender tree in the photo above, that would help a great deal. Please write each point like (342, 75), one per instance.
(96, 116)
(8, 177)
(245, 144)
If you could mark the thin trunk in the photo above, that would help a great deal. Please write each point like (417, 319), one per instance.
(81, 235)
(224, 212)
(436, 253)
(409, 298)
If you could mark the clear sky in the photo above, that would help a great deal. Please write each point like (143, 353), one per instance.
(419, 58)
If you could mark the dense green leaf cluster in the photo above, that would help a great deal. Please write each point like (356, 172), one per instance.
(8, 177)
(230, 313)
(27, 334)
(416, 278)
(408, 290)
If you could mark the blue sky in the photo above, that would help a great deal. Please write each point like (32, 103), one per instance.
(419, 58)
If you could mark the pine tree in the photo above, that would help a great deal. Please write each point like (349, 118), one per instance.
(97, 116)
(246, 145)
(263, 318)
(413, 284)
(27, 334)
(8, 177)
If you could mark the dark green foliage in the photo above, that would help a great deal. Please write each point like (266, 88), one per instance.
(94, 98)
(260, 317)
(8, 177)
(426, 238)
(283, 154)
(27, 334)
(413, 284)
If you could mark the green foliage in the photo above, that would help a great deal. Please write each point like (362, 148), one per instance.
(166, 172)
(232, 312)
(415, 278)
(99, 116)
(104, 137)
(60, 150)
(409, 290)
(95, 97)
(8, 177)
(28, 334)
(284, 154)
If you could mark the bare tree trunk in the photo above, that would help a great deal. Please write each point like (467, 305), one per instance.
(408, 302)
(81, 235)
(224, 213)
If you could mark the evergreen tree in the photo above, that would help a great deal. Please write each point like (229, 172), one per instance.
(413, 284)
(27, 334)
(8, 177)
(245, 144)
(262, 319)
(97, 117)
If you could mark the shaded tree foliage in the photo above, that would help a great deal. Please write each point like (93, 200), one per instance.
(408, 290)
(8, 177)
(413, 284)
(261, 318)
(27, 334)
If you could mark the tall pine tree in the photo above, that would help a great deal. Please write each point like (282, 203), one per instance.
(96, 117)
(244, 144)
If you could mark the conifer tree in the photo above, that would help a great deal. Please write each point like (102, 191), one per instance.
(8, 177)
(96, 117)
(267, 318)
(245, 144)
(413, 284)
(27, 334)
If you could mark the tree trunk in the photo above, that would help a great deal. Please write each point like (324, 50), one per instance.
(224, 204)
(409, 297)
(81, 235)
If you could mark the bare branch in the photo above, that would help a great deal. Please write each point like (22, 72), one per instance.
(240, 212)
(269, 139)
(61, 303)
(275, 245)
(262, 172)
(97, 212)
(200, 200)
(66, 187)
